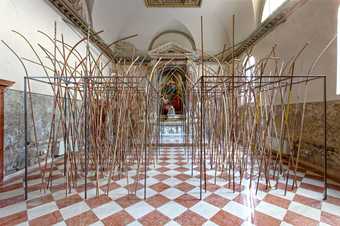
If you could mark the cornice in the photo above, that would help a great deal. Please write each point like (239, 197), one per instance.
(264, 29)
(68, 10)
(6, 83)
(173, 3)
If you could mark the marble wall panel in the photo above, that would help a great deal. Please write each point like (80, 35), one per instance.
(14, 128)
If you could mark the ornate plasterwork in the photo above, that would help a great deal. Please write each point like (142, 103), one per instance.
(81, 8)
(173, 3)
(171, 50)
(124, 49)
(67, 8)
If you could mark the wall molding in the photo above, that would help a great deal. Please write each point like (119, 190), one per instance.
(265, 28)
(173, 3)
(68, 10)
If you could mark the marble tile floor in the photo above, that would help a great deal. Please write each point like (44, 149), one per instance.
(172, 199)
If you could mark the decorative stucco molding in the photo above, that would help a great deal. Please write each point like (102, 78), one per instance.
(264, 29)
(171, 50)
(74, 11)
(173, 3)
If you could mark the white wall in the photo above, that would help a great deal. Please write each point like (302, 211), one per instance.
(27, 17)
(314, 22)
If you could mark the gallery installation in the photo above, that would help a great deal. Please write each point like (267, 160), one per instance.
(136, 126)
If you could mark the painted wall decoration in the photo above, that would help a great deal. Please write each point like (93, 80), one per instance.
(14, 128)
(172, 84)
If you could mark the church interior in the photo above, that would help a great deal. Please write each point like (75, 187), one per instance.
(170, 112)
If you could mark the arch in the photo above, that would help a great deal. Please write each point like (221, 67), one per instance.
(185, 35)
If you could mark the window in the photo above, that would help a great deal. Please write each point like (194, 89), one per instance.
(269, 7)
(338, 56)
(248, 64)
(249, 69)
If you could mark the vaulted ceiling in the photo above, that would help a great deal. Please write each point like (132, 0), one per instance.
(121, 18)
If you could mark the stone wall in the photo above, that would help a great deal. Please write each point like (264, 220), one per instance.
(312, 147)
(14, 128)
(313, 134)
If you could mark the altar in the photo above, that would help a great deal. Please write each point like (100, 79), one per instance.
(172, 130)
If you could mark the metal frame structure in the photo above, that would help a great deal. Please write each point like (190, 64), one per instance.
(137, 83)
(206, 85)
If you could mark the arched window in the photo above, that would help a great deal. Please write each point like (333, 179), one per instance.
(338, 56)
(269, 7)
(248, 65)
(249, 68)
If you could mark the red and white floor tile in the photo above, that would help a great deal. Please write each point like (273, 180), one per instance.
(172, 199)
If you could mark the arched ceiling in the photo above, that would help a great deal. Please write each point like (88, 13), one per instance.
(121, 18)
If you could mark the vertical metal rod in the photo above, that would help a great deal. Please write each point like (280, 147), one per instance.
(201, 134)
(185, 123)
(85, 133)
(201, 107)
(204, 140)
(65, 134)
(87, 74)
(233, 106)
(192, 138)
(159, 126)
(26, 136)
(188, 125)
(145, 140)
(159, 113)
(325, 135)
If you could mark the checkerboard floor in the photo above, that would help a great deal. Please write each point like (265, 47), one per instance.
(172, 199)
